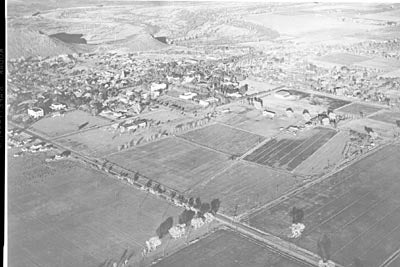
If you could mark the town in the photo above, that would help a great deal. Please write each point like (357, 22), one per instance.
(235, 140)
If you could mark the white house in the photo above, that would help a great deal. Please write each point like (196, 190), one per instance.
(269, 113)
(36, 112)
(203, 103)
(157, 86)
(187, 95)
(57, 106)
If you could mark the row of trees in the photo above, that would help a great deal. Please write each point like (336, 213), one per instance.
(188, 214)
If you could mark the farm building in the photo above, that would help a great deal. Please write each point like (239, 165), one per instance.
(289, 112)
(269, 113)
(35, 112)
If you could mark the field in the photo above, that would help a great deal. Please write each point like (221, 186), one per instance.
(57, 126)
(325, 158)
(224, 138)
(387, 116)
(172, 162)
(384, 130)
(245, 186)
(325, 101)
(357, 108)
(66, 214)
(343, 58)
(226, 248)
(383, 64)
(358, 208)
(290, 152)
(96, 142)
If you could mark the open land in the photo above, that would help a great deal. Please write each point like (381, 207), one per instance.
(245, 186)
(69, 123)
(358, 210)
(172, 162)
(66, 214)
(290, 152)
(224, 138)
(359, 108)
(226, 248)
(387, 116)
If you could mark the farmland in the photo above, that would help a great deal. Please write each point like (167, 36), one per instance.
(226, 248)
(290, 152)
(244, 186)
(325, 158)
(387, 116)
(70, 122)
(65, 214)
(96, 142)
(358, 207)
(384, 130)
(173, 162)
(224, 138)
(359, 108)
(314, 99)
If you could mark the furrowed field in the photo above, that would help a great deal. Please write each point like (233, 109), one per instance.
(357, 108)
(358, 208)
(290, 152)
(226, 248)
(65, 214)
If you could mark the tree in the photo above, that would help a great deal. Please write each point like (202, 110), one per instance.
(191, 202)
(164, 227)
(297, 215)
(149, 183)
(205, 207)
(186, 217)
(136, 177)
(197, 203)
(215, 203)
(324, 247)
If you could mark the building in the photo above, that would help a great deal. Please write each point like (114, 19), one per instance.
(35, 112)
(269, 114)
(289, 112)
(187, 95)
(306, 115)
(57, 106)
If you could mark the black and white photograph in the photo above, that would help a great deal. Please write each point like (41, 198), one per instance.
(201, 133)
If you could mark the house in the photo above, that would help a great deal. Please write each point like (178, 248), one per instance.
(158, 86)
(269, 114)
(325, 121)
(203, 103)
(57, 106)
(187, 95)
(306, 115)
(36, 112)
(289, 112)
(332, 116)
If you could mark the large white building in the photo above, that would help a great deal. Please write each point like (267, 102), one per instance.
(35, 112)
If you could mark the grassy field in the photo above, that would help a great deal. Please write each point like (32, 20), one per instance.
(173, 162)
(358, 207)
(384, 130)
(224, 138)
(65, 214)
(325, 101)
(325, 158)
(387, 116)
(226, 248)
(244, 186)
(96, 142)
(356, 108)
(383, 64)
(290, 152)
(56, 126)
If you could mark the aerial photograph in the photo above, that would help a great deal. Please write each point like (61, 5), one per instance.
(202, 134)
